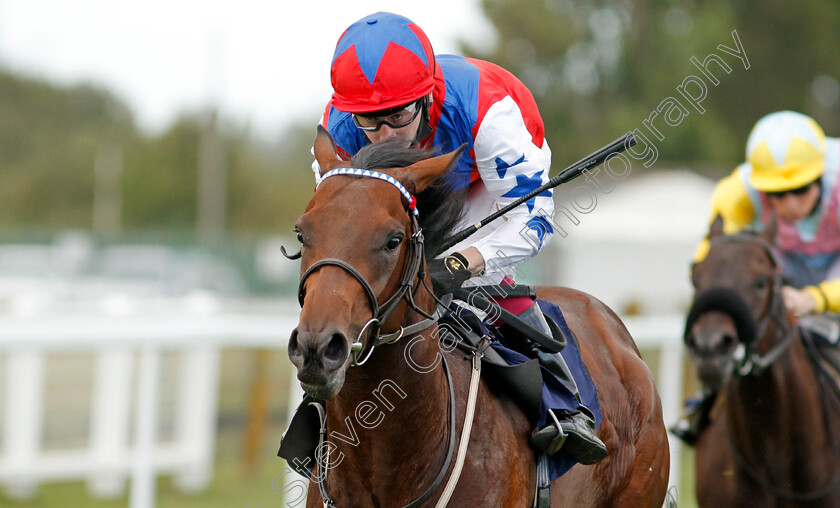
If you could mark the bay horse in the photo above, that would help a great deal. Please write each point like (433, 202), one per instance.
(773, 436)
(398, 420)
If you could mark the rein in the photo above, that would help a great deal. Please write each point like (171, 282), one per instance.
(406, 290)
(755, 364)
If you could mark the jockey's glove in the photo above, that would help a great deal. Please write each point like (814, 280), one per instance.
(449, 273)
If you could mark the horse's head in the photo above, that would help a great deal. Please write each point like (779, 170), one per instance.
(736, 295)
(360, 255)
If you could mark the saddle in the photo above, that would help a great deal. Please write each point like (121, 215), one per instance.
(821, 333)
(521, 380)
(825, 327)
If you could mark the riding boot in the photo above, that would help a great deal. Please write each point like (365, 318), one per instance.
(553, 362)
(573, 431)
(570, 431)
(691, 424)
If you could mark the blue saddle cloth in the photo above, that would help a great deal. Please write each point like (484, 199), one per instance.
(554, 394)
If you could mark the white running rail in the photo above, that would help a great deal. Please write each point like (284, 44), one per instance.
(112, 457)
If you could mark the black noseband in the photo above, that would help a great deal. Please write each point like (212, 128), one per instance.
(727, 301)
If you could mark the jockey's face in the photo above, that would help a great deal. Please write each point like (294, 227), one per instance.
(797, 204)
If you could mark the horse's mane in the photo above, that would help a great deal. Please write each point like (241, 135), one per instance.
(440, 205)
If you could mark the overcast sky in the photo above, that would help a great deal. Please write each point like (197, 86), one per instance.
(265, 62)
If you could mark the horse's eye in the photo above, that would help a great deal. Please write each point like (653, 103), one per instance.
(393, 243)
(299, 235)
(760, 284)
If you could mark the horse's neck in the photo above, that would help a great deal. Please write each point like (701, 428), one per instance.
(778, 403)
(404, 368)
(393, 409)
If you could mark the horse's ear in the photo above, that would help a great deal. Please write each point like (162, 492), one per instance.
(325, 152)
(419, 175)
(771, 229)
(716, 229)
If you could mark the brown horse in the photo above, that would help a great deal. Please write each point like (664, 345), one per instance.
(393, 416)
(772, 440)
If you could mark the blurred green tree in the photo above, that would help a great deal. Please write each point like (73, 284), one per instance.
(51, 136)
(598, 68)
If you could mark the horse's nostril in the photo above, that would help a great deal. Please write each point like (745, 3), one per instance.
(294, 346)
(336, 351)
(727, 343)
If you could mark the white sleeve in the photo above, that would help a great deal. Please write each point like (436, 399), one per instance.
(316, 168)
(511, 166)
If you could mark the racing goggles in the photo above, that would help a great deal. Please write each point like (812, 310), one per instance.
(395, 118)
(799, 191)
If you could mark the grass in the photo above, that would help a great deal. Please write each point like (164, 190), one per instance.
(686, 495)
(233, 485)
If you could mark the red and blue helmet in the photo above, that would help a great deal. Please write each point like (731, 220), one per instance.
(381, 61)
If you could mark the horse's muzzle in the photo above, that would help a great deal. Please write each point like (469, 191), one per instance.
(718, 322)
(318, 356)
(715, 374)
(711, 343)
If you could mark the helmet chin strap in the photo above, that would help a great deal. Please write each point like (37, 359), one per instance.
(425, 127)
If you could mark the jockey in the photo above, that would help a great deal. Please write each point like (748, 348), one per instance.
(388, 83)
(792, 169)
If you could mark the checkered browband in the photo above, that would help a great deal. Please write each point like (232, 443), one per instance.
(412, 201)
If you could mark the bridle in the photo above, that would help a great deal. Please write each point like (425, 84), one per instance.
(752, 362)
(413, 272)
(749, 361)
